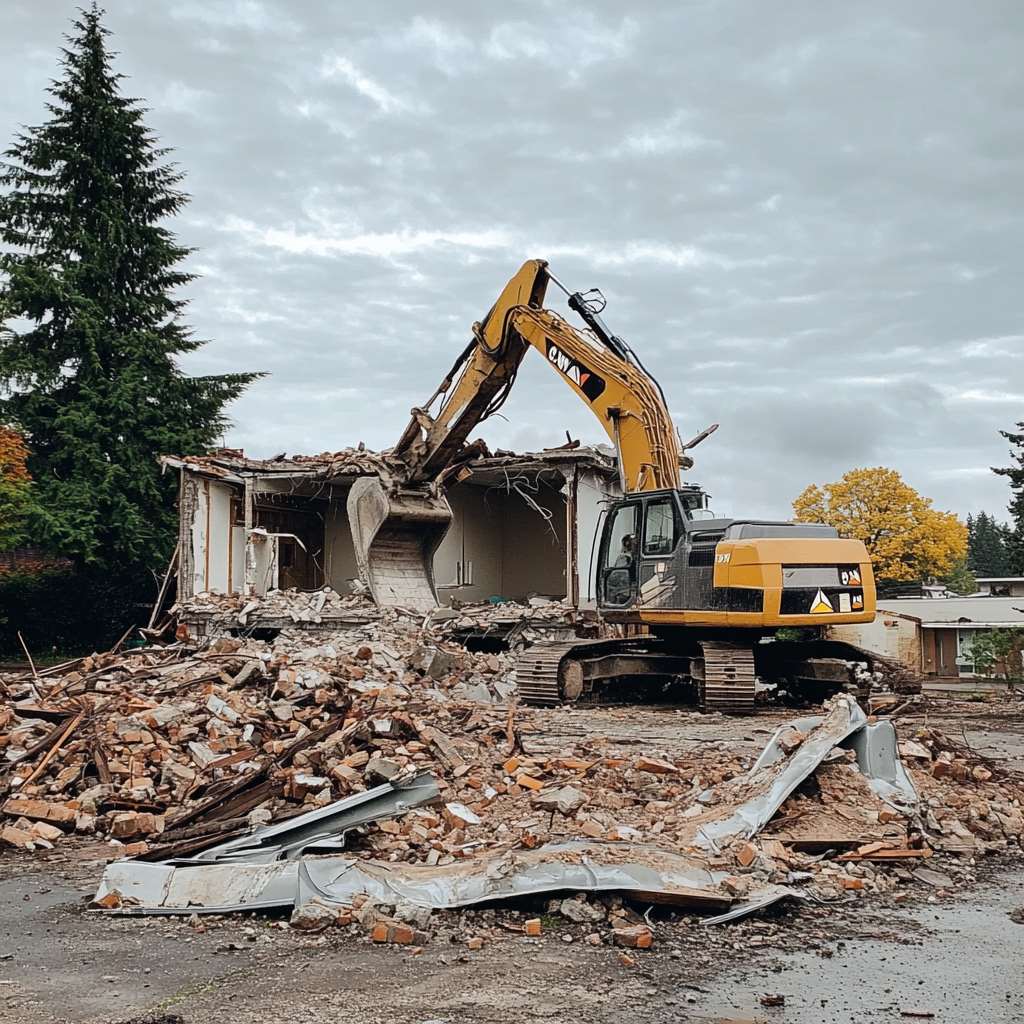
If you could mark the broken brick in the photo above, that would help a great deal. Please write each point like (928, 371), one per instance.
(655, 766)
(638, 936)
(19, 838)
(39, 810)
(528, 782)
(746, 854)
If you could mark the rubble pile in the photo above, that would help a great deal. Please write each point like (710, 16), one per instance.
(300, 606)
(129, 745)
(970, 804)
(167, 751)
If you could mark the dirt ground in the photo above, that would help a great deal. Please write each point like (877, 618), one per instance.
(957, 957)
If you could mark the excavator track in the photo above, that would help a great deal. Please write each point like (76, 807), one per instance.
(546, 674)
(729, 678)
(553, 672)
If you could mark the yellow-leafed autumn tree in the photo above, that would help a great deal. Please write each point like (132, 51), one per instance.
(906, 537)
(14, 487)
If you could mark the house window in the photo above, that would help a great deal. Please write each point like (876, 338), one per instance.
(964, 654)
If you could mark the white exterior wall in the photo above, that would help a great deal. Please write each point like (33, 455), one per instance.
(218, 546)
(593, 493)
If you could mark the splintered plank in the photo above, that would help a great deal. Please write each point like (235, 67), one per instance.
(892, 854)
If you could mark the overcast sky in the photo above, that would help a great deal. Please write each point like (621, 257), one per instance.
(806, 216)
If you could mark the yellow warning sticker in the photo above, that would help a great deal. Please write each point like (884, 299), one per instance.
(821, 604)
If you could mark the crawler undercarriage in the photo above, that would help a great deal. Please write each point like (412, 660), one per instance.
(722, 675)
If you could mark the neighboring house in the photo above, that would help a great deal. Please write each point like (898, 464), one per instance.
(1001, 586)
(523, 524)
(933, 635)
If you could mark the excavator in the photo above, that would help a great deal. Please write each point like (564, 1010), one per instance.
(682, 595)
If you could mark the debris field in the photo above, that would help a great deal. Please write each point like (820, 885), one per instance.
(203, 754)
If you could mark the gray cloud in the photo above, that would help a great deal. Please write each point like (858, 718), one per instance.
(806, 217)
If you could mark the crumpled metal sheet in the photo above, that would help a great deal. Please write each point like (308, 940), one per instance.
(646, 873)
(877, 752)
(256, 871)
(775, 779)
(649, 872)
(191, 887)
(325, 827)
(878, 758)
(759, 901)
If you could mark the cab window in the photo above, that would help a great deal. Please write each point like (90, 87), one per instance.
(622, 538)
(661, 529)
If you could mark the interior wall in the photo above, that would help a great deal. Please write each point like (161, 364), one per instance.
(237, 559)
(200, 514)
(593, 494)
(533, 551)
(214, 543)
(474, 536)
(512, 549)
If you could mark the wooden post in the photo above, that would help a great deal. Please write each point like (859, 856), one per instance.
(163, 587)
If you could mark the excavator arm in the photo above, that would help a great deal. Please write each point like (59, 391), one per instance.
(397, 523)
(603, 372)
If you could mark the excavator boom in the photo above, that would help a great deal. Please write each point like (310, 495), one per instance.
(397, 524)
(599, 368)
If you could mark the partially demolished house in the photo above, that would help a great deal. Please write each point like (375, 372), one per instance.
(524, 525)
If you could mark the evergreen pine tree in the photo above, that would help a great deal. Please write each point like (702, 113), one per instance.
(93, 383)
(986, 546)
(1015, 474)
(960, 579)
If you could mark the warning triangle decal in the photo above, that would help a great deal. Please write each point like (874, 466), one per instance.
(821, 604)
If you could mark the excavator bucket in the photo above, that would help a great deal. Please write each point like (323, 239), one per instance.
(395, 533)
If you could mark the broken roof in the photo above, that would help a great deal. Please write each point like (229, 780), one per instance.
(232, 464)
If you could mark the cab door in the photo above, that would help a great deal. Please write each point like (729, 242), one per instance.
(657, 583)
(618, 565)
